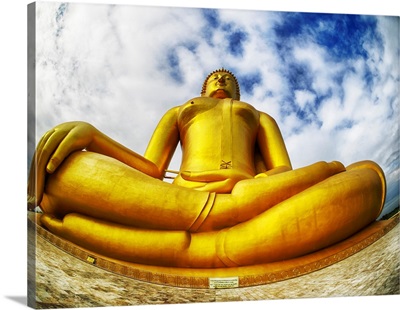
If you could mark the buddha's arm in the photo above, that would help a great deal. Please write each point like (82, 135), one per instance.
(164, 141)
(69, 137)
(103, 144)
(272, 147)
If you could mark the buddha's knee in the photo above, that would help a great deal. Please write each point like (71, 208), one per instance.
(374, 178)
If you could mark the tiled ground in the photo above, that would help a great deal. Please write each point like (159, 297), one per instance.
(63, 281)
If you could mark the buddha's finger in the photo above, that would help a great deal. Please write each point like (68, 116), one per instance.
(221, 187)
(40, 147)
(55, 150)
(37, 173)
(43, 153)
(32, 185)
(46, 147)
(43, 140)
(205, 176)
(32, 170)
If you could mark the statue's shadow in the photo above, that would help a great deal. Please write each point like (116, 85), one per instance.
(23, 300)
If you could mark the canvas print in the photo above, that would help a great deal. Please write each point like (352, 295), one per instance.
(188, 155)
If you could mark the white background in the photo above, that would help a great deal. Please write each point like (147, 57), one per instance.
(13, 253)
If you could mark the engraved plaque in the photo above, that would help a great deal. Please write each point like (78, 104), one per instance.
(230, 282)
(91, 260)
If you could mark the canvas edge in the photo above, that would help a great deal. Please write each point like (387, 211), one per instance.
(31, 134)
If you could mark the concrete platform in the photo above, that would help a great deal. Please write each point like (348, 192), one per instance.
(61, 277)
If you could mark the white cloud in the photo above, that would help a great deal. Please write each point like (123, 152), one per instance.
(304, 97)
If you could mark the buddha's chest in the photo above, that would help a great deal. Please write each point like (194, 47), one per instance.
(218, 114)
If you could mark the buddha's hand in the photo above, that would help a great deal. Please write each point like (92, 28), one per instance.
(273, 171)
(52, 149)
(219, 181)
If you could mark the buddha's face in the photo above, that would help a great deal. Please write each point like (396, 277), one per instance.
(220, 85)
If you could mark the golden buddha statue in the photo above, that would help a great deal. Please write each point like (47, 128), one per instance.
(236, 201)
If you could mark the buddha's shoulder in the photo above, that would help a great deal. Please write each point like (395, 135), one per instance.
(198, 103)
(244, 105)
(200, 100)
(214, 101)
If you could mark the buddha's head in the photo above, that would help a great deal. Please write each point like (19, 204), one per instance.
(221, 83)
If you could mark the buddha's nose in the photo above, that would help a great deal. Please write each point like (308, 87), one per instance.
(221, 79)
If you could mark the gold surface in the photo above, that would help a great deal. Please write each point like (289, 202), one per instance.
(235, 201)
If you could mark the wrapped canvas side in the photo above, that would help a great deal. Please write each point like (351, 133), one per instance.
(31, 82)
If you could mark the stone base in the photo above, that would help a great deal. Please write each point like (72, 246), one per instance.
(366, 264)
(246, 276)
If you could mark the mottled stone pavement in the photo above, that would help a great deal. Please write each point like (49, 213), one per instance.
(63, 281)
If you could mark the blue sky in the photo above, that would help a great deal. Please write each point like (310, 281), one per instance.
(331, 81)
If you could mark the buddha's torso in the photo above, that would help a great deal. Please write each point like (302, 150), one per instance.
(217, 134)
